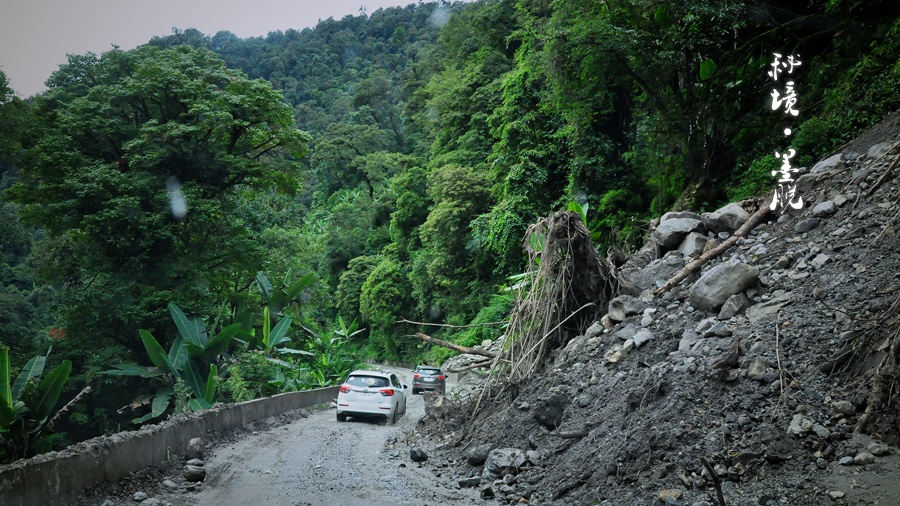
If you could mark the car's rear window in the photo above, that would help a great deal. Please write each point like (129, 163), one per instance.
(430, 372)
(368, 381)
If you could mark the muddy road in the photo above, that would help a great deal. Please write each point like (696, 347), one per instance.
(318, 461)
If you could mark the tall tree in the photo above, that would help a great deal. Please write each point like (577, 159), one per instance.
(135, 179)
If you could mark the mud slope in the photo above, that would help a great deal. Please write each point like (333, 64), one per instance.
(625, 414)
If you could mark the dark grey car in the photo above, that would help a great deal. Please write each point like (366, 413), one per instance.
(428, 378)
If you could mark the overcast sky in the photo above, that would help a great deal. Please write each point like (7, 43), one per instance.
(35, 35)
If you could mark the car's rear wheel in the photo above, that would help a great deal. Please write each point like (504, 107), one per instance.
(341, 417)
(415, 391)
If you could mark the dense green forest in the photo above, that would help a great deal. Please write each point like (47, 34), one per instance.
(211, 219)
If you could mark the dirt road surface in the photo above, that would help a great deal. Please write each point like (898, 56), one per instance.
(319, 461)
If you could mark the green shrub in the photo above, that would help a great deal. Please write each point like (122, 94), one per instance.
(756, 180)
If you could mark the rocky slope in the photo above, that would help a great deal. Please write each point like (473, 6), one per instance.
(746, 366)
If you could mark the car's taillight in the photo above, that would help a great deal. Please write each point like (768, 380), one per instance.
(440, 377)
(345, 389)
(387, 392)
(415, 376)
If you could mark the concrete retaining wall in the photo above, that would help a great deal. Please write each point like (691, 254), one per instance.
(58, 477)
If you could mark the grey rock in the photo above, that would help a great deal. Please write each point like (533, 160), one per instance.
(108, 502)
(139, 496)
(503, 461)
(821, 431)
(549, 412)
(693, 244)
(820, 260)
(417, 455)
(670, 234)
(153, 501)
(711, 291)
(634, 281)
(193, 473)
(757, 369)
(735, 305)
(836, 494)
(800, 425)
(194, 449)
(642, 336)
(879, 449)
(195, 462)
(170, 484)
(728, 218)
(688, 339)
(769, 307)
(843, 407)
(824, 209)
(594, 330)
(863, 458)
(679, 214)
(624, 306)
(478, 454)
(487, 493)
(878, 150)
(856, 232)
(846, 461)
(470, 482)
(806, 225)
(831, 163)
(840, 199)
(627, 332)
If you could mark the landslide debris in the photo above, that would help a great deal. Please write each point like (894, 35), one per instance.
(769, 377)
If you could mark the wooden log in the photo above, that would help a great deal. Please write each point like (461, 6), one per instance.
(486, 363)
(454, 347)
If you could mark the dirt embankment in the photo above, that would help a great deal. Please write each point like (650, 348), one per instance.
(770, 394)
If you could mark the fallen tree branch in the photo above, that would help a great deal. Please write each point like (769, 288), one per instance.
(486, 363)
(568, 434)
(883, 176)
(65, 409)
(455, 347)
(404, 320)
(715, 479)
(695, 266)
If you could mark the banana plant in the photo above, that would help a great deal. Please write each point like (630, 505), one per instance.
(189, 353)
(278, 299)
(26, 404)
(273, 338)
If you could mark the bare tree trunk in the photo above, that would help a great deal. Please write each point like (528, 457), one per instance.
(455, 347)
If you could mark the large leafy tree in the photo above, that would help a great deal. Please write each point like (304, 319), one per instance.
(142, 160)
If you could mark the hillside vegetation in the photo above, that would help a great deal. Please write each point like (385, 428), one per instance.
(265, 210)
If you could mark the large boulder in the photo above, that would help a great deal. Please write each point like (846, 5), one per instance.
(670, 233)
(693, 244)
(656, 273)
(624, 306)
(720, 283)
(828, 164)
(727, 219)
(679, 214)
(503, 461)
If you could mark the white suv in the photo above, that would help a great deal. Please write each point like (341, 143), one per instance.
(372, 393)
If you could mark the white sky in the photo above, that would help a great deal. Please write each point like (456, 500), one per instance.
(36, 35)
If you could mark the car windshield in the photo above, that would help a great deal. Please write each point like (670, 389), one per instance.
(368, 381)
(429, 372)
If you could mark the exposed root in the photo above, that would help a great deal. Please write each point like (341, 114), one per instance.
(567, 284)
(875, 365)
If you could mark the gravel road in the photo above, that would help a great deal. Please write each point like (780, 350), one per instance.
(319, 461)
